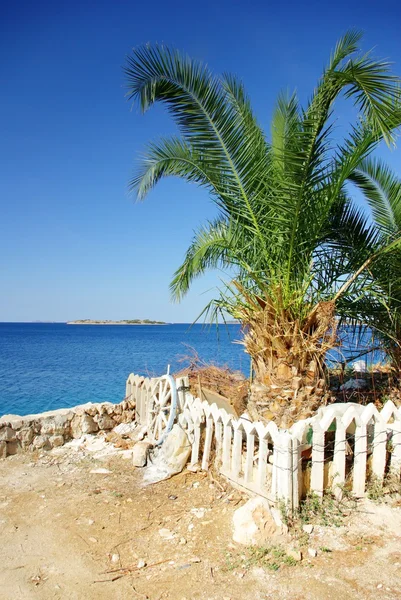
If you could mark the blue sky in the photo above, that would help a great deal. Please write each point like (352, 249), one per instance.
(73, 244)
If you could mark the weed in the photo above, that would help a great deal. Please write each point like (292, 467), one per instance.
(378, 490)
(267, 557)
(325, 549)
(326, 511)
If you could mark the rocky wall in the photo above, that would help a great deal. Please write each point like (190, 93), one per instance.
(51, 429)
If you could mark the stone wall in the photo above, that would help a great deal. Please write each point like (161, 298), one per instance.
(50, 429)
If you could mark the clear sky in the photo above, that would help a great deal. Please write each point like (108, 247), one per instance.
(73, 244)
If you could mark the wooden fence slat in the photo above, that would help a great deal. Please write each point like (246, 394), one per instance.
(360, 456)
(296, 473)
(379, 450)
(250, 451)
(317, 473)
(236, 463)
(395, 463)
(226, 458)
(339, 459)
(208, 443)
(262, 463)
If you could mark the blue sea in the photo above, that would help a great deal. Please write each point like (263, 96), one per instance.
(44, 366)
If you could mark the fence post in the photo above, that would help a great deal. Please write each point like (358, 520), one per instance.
(208, 443)
(317, 474)
(227, 433)
(360, 456)
(379, 449)
(339, 458)
(296, 473)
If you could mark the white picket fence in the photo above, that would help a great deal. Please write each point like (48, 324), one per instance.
(343, 445)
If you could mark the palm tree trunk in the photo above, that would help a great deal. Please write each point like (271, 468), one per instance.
(288, 360)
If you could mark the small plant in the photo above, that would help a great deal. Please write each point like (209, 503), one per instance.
(326, 511)
(267, 557)
(378, 490)
(325, 549)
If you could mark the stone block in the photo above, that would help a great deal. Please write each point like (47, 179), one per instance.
(7, 434)
(56, 440)
(41, 442)
(25, 435)
(12, 448)
(88, 424)
(3, 449)
(140, 454)
(254, 524)
(105, 422)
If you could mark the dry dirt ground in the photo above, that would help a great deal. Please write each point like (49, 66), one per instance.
(69, 533)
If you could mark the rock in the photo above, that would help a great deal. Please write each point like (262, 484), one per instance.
(105, 422)
(295, 554)
(3, 449)
(312, 552)
(25, 436)
(307, 528)
(41, 441)
(195, 559)
(183, 541)
(100, 471)
(93, 540)
(115, 558)
(140, 454)
(12, 448)
(176, 450)
(125, 429)
(57, 424)
(7, 434)
(254, 523)
(166, 534)
(56, 441)
(198, 512)
(353, 384)
(138, 433)
(141, 564)
(88, 424)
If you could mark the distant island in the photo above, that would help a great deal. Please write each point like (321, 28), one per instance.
(127, 322)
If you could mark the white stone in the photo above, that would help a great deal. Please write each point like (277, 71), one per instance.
(295, 554)
(41, 441)
(176, 450)
(254, 523)
(125, 429)
(100, 471)
(166, 534)
(312, 552)
(105, 422)
(141, 564)
(353, 384)
(198, 512)
(308, 528)
(88, 425)
(140, 454)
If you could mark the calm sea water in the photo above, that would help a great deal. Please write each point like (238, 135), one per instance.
(46, 366)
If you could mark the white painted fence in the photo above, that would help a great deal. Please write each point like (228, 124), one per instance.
(343, 445)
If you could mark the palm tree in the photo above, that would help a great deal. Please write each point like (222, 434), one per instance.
(382, 190)
(280, 203)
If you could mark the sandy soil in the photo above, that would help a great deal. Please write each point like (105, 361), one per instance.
(66, 531)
